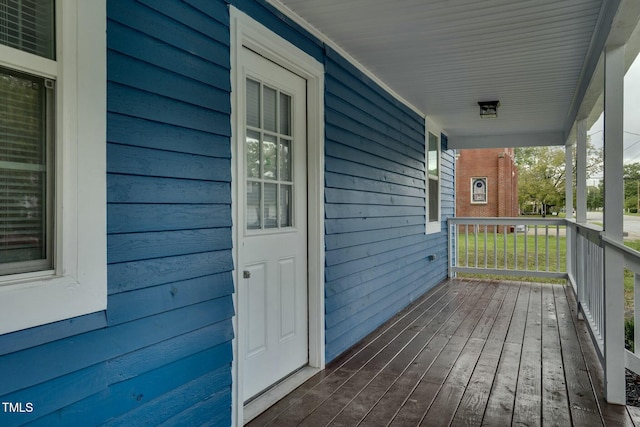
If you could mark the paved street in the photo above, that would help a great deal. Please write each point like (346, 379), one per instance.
(631, 224)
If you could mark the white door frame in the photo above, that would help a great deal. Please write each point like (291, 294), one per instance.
(246, 32)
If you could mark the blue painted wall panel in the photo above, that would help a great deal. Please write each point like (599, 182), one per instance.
(376, 259)
(163, 346)
(162, 351)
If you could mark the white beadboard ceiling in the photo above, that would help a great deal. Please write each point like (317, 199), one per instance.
(443, 56)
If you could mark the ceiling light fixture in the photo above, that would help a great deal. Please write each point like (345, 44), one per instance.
(489, 109)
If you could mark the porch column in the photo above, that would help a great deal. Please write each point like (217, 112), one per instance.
(568, 205)
(613, 215)
(568, 180)
(581, 171)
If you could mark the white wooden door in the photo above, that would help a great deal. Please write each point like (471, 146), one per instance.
(272, 214)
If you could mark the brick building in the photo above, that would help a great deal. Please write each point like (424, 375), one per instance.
(486, 183)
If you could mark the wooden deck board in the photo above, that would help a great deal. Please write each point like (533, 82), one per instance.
(555, 406)
(470, 352)
(528, 404)
(476, 396)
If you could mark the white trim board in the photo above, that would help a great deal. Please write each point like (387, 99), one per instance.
(77, 285)
(249, 33)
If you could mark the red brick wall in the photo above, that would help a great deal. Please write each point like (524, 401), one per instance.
(496, 164)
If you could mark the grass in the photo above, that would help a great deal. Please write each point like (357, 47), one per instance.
(494, 246)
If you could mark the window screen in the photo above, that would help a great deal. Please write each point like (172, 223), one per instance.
(25, 173)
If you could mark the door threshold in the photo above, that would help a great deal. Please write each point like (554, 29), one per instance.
(264, 401)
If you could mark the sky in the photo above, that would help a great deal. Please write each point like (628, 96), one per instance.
(631, 117)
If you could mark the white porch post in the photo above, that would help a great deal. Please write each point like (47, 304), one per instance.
(568, 194)
(568, 182)
(581, 171)
(613, 215)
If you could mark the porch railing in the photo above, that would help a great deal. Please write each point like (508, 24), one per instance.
(507, 246)
(586, 276)
(559, 248)
(632, 264)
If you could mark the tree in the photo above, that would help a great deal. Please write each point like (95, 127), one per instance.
(542, 172)
(594, 198)
(631, 177)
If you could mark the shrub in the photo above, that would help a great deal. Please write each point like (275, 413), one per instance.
(628, 334)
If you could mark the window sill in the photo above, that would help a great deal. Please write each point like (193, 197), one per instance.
(50, 298)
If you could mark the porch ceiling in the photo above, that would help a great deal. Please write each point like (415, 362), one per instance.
(443, 56)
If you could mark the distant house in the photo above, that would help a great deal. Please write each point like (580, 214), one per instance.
(486, 183)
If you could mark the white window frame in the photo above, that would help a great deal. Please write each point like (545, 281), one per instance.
(486, 190)
(77, 284)
(432, 127)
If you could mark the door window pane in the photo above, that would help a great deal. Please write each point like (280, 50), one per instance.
(285, 159)
(24, 173)
(253, 206)
(270, 205)
(270, 109)
(285, 206)
(253, 103)
(285, 114)
(253, 154)
(269, 157)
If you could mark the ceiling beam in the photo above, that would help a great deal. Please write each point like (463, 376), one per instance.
(506, 141)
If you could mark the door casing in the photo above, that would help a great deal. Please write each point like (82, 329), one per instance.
(247, 32)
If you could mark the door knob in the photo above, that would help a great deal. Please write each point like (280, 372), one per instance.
(246, 274)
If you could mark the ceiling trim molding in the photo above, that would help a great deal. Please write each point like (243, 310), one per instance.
(326, 40)
(534, 139)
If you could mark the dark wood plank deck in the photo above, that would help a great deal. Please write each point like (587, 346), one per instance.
(470, 352)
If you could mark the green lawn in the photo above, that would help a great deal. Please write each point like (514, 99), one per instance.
(491, 251)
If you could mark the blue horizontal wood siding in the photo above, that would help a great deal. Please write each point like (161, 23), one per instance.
(376, 247)
(162, 351)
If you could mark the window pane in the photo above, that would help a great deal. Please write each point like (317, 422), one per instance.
(433, 155)
(253, 205)
(285, 114)
(23, 172)
(253, 154)
(285, 160)
(433, 200)
(269, 157)
(479, 190)
(28, 25)
(270, 206)
(253, 103)
(285, 206)
(269, 109)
